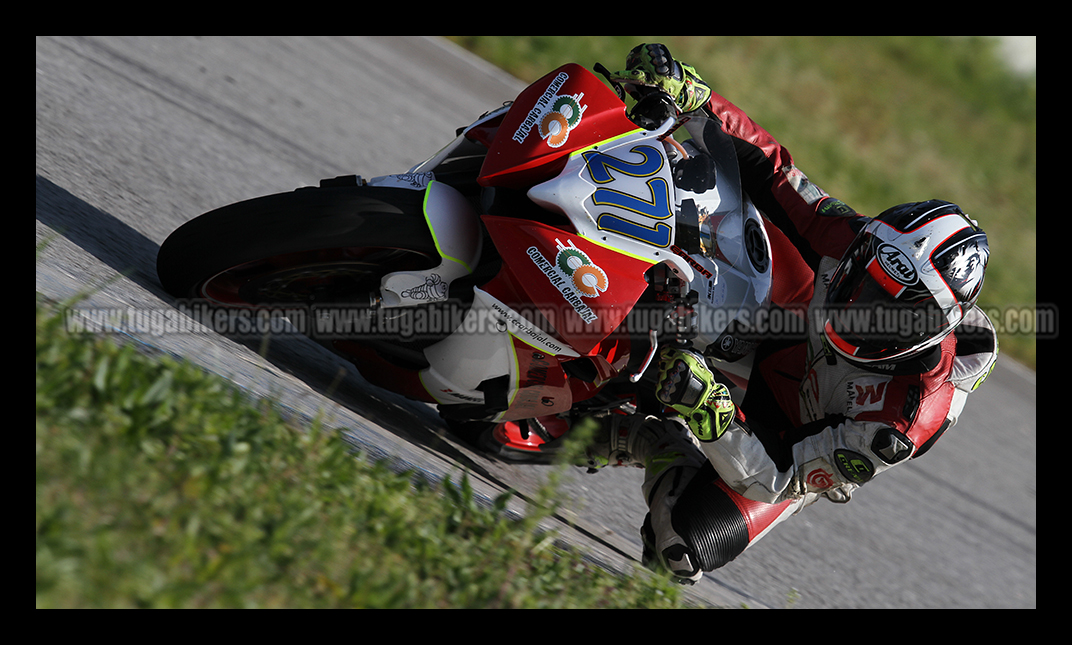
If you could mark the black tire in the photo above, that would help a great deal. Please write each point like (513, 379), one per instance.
(366, 231)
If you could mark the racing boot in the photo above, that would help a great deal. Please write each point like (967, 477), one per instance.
(663, 545)
(667, 451)
(625, 440)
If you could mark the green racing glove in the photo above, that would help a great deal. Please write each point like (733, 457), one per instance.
(651, 65)
(688, 387)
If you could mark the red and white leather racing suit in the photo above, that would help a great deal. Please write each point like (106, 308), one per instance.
(811, 424)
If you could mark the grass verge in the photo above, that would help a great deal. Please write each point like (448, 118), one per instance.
(159, 485)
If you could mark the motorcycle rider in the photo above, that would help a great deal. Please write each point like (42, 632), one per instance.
(893, 347)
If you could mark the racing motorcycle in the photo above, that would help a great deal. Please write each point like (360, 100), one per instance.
(523, 276)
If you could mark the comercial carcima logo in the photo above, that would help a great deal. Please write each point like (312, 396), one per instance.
(554, 114)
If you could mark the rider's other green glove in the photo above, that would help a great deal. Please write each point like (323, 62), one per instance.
(651, 65)
(688, 387)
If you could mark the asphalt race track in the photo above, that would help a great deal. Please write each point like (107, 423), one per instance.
(136, 135)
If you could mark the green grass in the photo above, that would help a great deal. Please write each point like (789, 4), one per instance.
(159, 485)
(874, 121)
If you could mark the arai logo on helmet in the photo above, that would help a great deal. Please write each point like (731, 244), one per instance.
(554, 115)
(896, 264)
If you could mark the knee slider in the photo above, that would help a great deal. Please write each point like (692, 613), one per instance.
(709, 521)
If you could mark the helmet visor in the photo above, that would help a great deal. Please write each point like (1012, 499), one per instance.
(877, 307)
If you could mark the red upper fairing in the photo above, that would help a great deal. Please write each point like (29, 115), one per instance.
(565, 111)
(584, 291)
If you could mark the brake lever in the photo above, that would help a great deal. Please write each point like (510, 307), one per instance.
(653, 341)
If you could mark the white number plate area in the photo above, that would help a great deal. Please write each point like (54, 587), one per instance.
(619, 196)
(633, 195)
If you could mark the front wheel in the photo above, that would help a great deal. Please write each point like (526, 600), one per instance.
(309, 246)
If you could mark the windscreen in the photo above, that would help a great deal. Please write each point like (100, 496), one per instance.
(721, 231)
